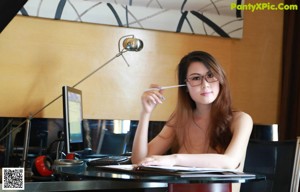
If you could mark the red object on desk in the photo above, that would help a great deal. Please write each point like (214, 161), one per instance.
(199, 187)
(42, 166)
(70, 156)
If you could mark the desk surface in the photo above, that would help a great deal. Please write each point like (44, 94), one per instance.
(92, 185)
(84, 178)
(92, 173)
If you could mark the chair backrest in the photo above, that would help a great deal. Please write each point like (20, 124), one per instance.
(296, 171)
(274, 159)
(113, 143)
(268, 132)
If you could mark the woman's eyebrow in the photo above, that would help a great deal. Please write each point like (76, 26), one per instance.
(199, 73)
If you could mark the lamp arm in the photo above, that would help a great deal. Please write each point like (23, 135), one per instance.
(107, 62)
(83, 79)
(28, 120)
(26, 142)
(27, 135)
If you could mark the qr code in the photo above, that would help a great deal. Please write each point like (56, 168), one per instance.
(12, 178)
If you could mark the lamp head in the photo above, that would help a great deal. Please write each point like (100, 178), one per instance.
(133, 44)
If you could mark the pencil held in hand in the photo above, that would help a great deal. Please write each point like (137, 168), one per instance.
(165, 87)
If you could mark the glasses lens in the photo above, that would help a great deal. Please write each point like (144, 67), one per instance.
(195, 80)
(210, 78)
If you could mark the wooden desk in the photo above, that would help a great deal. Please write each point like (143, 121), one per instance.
(174, 183)
(93, 185)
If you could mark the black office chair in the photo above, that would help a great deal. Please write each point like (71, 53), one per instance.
(278, 161)
(113, 143)
(267, 132)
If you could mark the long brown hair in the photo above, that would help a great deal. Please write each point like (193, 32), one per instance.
(221, 111)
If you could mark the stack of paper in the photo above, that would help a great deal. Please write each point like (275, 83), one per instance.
(177, 171)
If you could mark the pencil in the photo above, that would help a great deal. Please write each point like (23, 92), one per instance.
(165, 87)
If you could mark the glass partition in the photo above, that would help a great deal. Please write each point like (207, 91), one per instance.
(45, 132)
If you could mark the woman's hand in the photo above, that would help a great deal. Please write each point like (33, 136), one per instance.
(151, 98)
(163, 160)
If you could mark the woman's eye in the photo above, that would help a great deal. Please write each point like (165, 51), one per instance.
(196, 78)
(210, 75)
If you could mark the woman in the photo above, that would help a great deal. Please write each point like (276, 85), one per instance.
(204, 130)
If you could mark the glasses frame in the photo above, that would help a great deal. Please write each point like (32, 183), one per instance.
(188, 79)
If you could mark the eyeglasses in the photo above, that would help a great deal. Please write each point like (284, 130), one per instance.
(196, 80)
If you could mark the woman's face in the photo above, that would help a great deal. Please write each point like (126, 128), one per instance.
(203, 87)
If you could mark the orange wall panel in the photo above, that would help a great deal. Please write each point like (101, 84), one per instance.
(39, 56)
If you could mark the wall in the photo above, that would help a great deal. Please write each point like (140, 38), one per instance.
(39, 56)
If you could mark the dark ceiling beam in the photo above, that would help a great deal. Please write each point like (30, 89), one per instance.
(8, 10)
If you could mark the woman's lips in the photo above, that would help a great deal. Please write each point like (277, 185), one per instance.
(206, 93)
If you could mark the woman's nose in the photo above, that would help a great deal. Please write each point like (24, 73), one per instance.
(204, 83)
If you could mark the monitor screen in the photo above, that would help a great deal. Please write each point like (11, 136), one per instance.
(73, 126)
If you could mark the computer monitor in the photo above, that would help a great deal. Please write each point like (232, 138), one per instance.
(73, 119)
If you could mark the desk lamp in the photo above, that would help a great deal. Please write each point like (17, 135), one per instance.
(130, 43)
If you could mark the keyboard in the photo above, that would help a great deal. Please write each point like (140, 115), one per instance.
(109, 160)
(91, 156)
